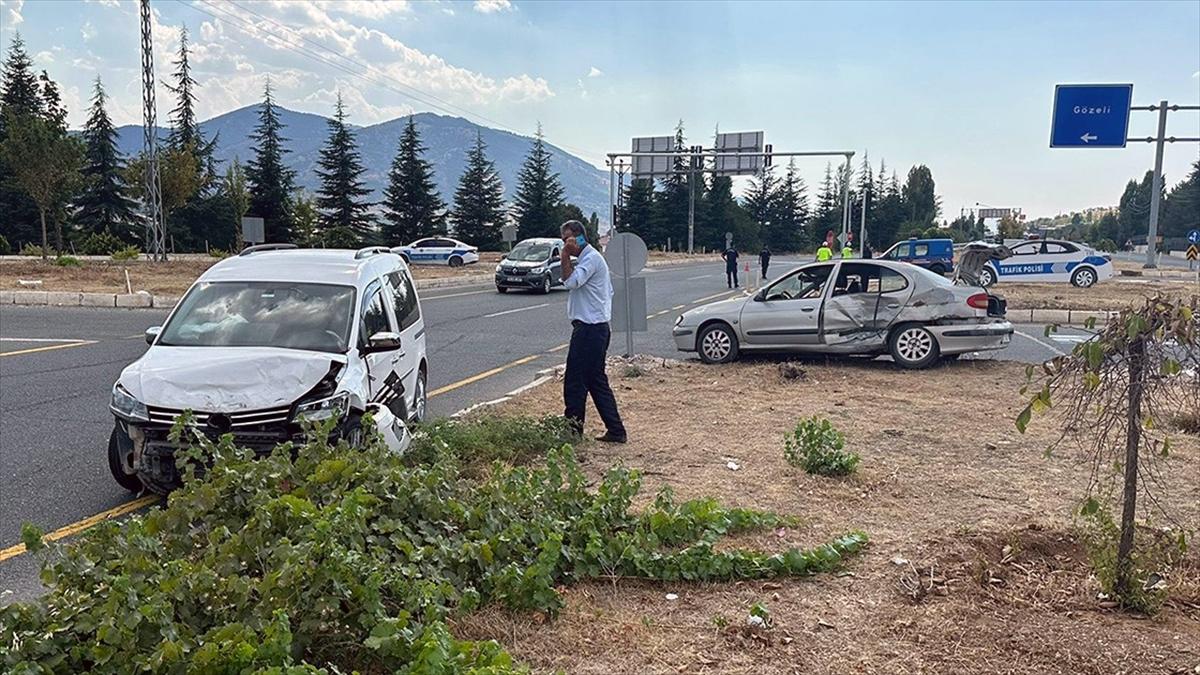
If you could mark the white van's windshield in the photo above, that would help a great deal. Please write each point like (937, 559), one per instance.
(314, 317)
(530, 253)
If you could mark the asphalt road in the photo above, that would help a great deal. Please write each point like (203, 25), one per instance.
(1164, 261)
(57, 366)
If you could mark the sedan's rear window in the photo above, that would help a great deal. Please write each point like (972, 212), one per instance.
(314, 317)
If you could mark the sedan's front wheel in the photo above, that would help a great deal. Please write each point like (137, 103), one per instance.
(717, 343)
(120, 459)
(913, 346)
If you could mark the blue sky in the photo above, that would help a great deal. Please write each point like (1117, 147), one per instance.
(964, 88)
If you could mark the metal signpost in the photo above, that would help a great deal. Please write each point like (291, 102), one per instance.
(508, 234)
(650, 162)
(1193, 251)
(253, 230)
(1097, 116)
(626, 255)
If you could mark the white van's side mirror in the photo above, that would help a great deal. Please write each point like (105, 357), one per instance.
(152, 334)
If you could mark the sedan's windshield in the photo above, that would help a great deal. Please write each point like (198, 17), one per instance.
(530, 253)
(263, 314)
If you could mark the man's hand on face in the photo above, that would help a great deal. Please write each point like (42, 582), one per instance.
(570, 248)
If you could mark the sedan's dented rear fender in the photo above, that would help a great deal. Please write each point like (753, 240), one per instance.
(963, 337)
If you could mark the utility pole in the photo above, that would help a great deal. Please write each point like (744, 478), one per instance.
(862, 229)
(1156, 187)
(156, 227)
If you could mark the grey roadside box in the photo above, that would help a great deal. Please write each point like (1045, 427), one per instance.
(253, 231)
(626, 255)
(629, 306)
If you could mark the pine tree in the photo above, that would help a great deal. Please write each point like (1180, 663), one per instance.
(722, 214)
(104, 203)
(539, 196)
(921, 204)
(411, 204)
(270, 181)
(185, 132)
(790, 212)
(760, 201)
(865, 187)
(478, 211)
(345, 218)
(670, 221)
(828, 216)
(185, 128)
(20, 99)
(884, 221)
(637, 209)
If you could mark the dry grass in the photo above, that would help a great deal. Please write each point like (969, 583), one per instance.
(974, 566)
(1114, 294)
(171, 278)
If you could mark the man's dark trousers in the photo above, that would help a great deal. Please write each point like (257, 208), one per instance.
(731, 275)
(585, 375)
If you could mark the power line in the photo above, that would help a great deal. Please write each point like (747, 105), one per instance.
(372, 76)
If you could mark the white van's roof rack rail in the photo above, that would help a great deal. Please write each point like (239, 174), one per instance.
(370, 250)
(257, 248)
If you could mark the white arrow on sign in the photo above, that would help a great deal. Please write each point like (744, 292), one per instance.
(1087, 137)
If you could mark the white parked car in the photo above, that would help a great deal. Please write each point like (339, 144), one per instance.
(267, 339)
(860, 307)
(1049, 260)
(438, 251)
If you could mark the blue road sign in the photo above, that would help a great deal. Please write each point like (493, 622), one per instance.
(1194, 237)
(1091, 115)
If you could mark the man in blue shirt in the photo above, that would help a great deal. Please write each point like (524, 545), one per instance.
(589, 307)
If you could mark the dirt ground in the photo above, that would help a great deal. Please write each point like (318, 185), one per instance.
(962, 511)
(171, 278)
(1114, 294)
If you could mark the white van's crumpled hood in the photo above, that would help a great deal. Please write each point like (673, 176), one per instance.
(225, 379)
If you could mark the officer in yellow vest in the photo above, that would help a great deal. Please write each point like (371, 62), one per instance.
(847, 252)
(824, 252)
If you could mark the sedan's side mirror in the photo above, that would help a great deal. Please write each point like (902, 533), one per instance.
(760, 296)
(152, 334)
(384, 340)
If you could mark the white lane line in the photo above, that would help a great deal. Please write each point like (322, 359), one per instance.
(514, 311)
(430, 298)
(702, 276)
(17, 339)
(1048, 347)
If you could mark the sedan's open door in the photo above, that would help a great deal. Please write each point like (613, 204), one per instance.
(867, 298)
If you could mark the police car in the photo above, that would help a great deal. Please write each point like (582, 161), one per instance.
(438, 251)
(1049, 260)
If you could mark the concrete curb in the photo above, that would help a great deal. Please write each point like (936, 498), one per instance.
(144, 300)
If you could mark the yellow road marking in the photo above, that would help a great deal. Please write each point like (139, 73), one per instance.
(678, 307)
(31, 350)
(558, 348)
(481, 376)
(86, 523)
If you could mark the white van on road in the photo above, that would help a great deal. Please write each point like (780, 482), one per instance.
(267, 339)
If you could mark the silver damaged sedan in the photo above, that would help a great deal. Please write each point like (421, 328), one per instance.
(859, 307)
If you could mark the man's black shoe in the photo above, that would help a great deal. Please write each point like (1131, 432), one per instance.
(611, 438)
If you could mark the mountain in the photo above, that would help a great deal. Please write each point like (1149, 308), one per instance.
(446, 140)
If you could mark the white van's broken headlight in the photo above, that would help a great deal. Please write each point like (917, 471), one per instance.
(125, 406)
(326, 408)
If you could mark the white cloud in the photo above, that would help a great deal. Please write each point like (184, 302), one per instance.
(106, 3)
(13, 17)
(1196, 75)
(492, 6)
(595, 72)
(583, 92)
(87, 31)
(367, 9)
